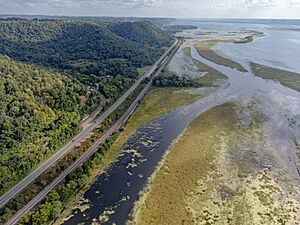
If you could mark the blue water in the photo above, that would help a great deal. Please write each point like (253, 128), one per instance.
(295, 22)
(116, 190)
(279, 47)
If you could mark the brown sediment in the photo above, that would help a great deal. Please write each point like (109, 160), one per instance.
(211, 75)
(204, 49)
(190, 158)
(286, 78)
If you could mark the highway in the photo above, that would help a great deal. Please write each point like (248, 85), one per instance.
(164, 60)
(10, 194)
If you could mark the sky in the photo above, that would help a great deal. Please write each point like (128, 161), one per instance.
(278, 9)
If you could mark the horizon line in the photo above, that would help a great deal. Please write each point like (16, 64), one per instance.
(149, 17)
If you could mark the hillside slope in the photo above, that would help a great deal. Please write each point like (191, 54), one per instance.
(141, 32)
(86, 46)
(92, 51)
(39, 110)
(49, 73)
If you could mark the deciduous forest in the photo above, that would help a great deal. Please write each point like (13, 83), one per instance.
(54, 72)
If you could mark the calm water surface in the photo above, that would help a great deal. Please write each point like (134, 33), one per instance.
(112, 196)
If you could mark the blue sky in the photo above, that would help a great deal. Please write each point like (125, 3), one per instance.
(157, 8)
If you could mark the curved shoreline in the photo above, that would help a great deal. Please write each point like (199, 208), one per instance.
(177, 174)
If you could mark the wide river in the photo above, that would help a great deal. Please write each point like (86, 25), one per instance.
(111, 198)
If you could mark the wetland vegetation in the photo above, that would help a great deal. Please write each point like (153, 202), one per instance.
(207, 176)
(190, 158)
(205, 50)
(210, 75)
(149, 109)
(286, 78)
(157, 102)
(224, 168)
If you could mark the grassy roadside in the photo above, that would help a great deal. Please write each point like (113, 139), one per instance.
(211, 75)
(50, 174)
(143, 70)
(156, 103)
(191, 157)
(205, 50)
(286, 78)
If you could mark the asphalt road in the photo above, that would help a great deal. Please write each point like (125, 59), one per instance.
(44, 166)
(91, 150)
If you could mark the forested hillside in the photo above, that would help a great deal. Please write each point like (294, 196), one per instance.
(50, 71)
(39, 110)
(89, 48)
(141, 32)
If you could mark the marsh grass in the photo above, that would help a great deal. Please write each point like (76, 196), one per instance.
(211, 76)
(286, 78)
(213, 175)
(157, 103)
(204, 49)
(190, 158)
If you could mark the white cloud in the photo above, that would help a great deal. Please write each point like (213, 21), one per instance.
(166, 8)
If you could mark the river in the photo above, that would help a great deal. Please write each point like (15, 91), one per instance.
(111, 198)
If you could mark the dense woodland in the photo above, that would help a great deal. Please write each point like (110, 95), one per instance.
(89, 48)
(172, 80)
(179, 28)
(53, 204)
(53, 72)
(39, 110)
(92, 51)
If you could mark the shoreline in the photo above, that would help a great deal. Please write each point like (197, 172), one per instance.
(211, 176)
(144, 194)
(138, 119)
(205, 50)
(153, 211)
(285, 78)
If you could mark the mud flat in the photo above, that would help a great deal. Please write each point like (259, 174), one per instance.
(286, 78)
(219, 172)
(244, 40)
(204, 49)
(211, 75)
(248, 38)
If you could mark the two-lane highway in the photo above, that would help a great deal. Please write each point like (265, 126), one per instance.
(10, 194)
(97, 143)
